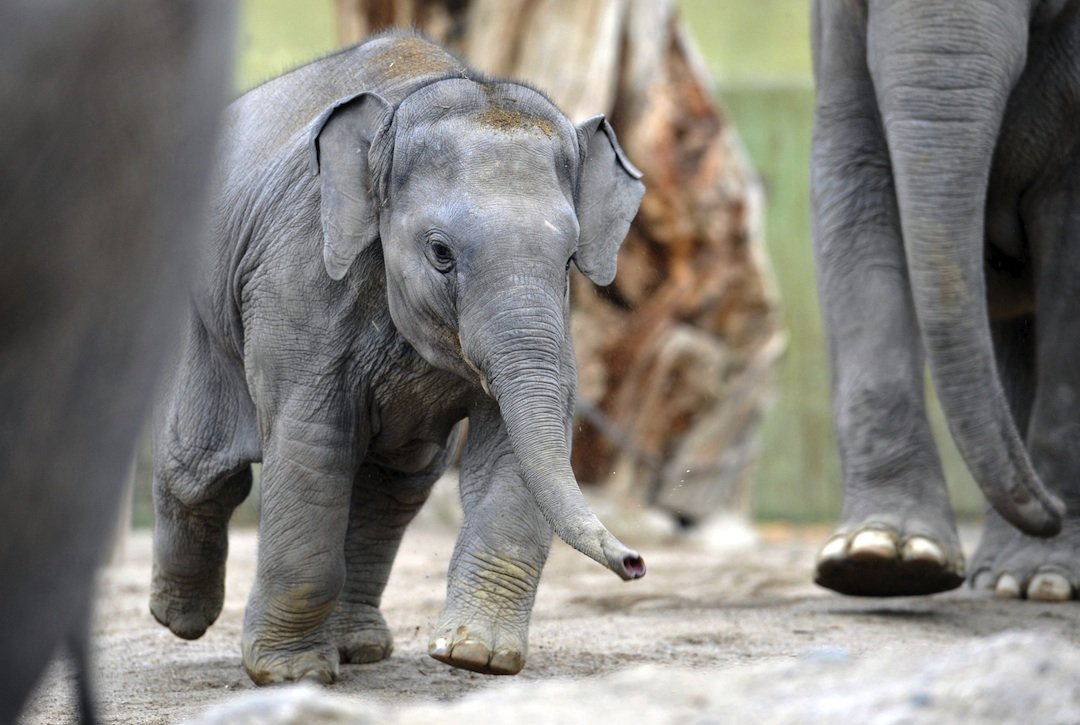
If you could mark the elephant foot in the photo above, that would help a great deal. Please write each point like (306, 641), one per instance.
(267, 666)
(484, 626)
(187, 605)
(360, 633)
(479, 646)
(880, 560)
(1015, 566)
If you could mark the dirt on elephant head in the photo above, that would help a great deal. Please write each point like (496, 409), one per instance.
(507, 120)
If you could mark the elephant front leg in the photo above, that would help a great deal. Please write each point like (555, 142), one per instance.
(306, 484)
(202, 471)
(500, 552)
(896, 535)
(383, 504)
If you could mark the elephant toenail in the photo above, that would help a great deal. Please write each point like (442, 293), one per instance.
(873, 544)
(507, 663)
(834, 549)
(1049, 587)
(472, 653)
(439, 648)
(1007, 587)
(919, 548)
(318, 678)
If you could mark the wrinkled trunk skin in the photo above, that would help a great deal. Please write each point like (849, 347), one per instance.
(519, 355)
(942, 95)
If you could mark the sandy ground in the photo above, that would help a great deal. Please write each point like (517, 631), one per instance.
(704, 607)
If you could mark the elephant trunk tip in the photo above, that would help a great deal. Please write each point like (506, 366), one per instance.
(633, 567)
(625, 562)
(600, 545)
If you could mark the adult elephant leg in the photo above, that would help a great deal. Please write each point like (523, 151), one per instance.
(308, 468)
(383, 504)
(1014, 351)
(1010, 563)
(502, 547)
(203, 450)
(896, 535)
(109, 111)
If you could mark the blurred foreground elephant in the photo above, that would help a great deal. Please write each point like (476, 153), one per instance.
(392, 243)
(105, 136)
(946, 202)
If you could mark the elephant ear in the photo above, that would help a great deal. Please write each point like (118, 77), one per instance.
(339, 147)
(609, 192)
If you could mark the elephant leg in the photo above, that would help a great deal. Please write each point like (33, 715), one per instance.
(383, 504)
(1007, 561)
(308, 470)
(1014, 351)
(202, 455)
(896, 535)
(500, 552)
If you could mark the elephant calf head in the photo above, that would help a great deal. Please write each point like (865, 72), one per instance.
(482, 194)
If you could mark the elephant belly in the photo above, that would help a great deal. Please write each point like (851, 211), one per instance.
(414, 424)
(411, 456)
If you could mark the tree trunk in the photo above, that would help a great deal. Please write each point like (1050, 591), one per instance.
(674, 356)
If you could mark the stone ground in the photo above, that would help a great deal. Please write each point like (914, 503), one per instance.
(724, 628)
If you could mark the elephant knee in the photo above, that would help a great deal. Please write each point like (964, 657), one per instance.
(209, 487)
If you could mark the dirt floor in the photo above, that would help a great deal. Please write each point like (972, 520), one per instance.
(708, 605)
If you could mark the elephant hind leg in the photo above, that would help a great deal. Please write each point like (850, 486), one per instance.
(382, 505)
(203, 449)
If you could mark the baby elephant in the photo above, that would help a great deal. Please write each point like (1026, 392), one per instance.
(391, 248)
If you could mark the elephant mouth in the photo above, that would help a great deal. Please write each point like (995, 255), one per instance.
(484, 384)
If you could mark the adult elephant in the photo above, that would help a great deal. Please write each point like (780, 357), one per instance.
(946, 205)
(106, 135)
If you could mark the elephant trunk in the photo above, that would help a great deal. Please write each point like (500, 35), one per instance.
(519, 355)
(942, 82)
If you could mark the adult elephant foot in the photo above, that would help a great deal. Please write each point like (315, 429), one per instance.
(891, 555)
(479, 644)
(360, 633)
(1015, 566)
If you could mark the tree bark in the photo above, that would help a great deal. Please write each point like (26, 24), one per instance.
(674, 357)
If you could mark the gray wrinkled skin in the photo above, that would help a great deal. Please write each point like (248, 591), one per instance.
(109, 110)
(947, 231)
(390, 256)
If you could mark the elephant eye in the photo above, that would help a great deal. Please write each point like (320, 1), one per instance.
(568, 261)
(442, 257)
